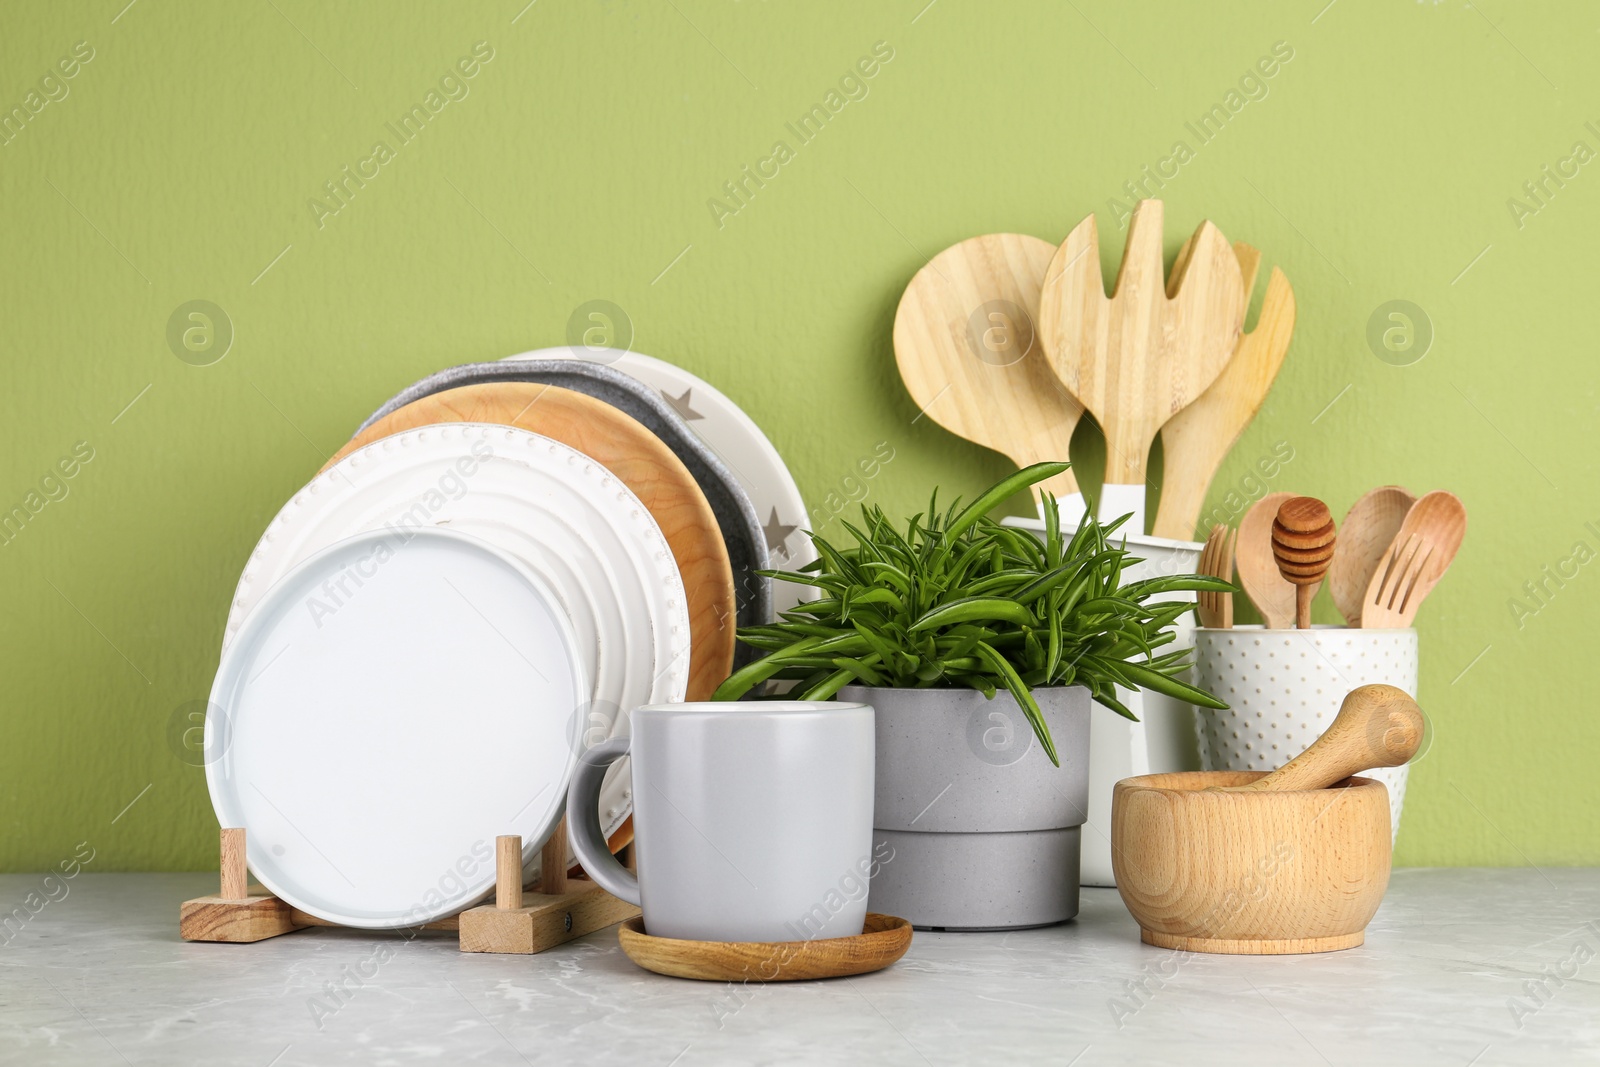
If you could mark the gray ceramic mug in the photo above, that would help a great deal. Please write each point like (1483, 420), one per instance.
(752, 820)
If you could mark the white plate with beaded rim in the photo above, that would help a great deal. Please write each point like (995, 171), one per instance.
(736, 440)
(374, 750)
(558, 511)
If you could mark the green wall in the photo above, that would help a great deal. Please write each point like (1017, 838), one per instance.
(179, 162)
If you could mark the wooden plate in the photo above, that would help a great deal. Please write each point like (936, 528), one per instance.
(884, 940)
(640, 460)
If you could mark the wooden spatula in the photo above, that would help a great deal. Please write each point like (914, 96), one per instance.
(1197, 439)
(966, 340)
(1138, 357)
(1377, 726)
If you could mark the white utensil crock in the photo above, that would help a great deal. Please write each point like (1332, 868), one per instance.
(1163, 739)
(1284, 688)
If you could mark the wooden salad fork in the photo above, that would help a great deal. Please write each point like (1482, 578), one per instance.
(1422, 551)
(1393, 603)
(1215, 610)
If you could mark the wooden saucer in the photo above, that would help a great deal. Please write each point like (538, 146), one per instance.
(884, 940)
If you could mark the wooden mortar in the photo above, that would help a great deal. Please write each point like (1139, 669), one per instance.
(1296, 861)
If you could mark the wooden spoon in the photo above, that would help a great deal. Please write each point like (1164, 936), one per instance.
(1146, 352)
(1273, 597)
(966, 342)
(1303, 538)
(1197, 439)
(1421, 552)
(1215, 610)
(1377, 726)
(1365, 535)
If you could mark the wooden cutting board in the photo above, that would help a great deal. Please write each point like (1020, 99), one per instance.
(966, 341)
(640, 460)
(1197, 439)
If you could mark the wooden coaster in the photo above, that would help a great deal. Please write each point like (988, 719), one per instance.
(884, 940)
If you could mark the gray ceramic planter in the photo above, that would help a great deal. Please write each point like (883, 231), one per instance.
(975, 829)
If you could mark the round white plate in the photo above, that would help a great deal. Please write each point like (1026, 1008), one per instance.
(736, 440)
(393, 704)
(560, 513)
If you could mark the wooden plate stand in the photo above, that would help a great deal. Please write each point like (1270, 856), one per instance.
(519, 920)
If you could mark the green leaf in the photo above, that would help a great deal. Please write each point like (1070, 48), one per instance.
(829, 686)
(1007, 580)
(1052, 659)
(886, 653)
(1024, 698)
(1170, 686)
(860, 670)
(1052, 531)
(975, 609)
(1108, 605)
(752, 674)
(1002, 491)
(1178, 583)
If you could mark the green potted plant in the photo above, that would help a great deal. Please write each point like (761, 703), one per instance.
(980, 648)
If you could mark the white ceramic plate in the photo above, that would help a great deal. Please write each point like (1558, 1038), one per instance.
(563, 515)
(736, 440)
(736, 515)
(395, 702)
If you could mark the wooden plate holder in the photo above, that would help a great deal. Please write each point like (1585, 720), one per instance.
(520, 920)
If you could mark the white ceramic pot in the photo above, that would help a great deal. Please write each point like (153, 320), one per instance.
(1163, 740)
(1284, 688)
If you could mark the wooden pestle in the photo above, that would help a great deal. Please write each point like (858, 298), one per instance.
(1302, 545)
(1377, 726)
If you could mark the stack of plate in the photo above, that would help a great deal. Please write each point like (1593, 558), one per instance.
(504, 561)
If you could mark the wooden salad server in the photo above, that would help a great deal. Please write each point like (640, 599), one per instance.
(1197, 439)
(966, 341)
(1303, 538)
(1377, 726)
(1139, 356)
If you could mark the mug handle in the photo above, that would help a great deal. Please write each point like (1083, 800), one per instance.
(583, 821)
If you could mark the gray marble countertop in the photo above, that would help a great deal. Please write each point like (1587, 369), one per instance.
(1460, 967)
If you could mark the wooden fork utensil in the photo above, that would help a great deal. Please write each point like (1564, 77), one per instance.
(1418, 557)
(1215, 610)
